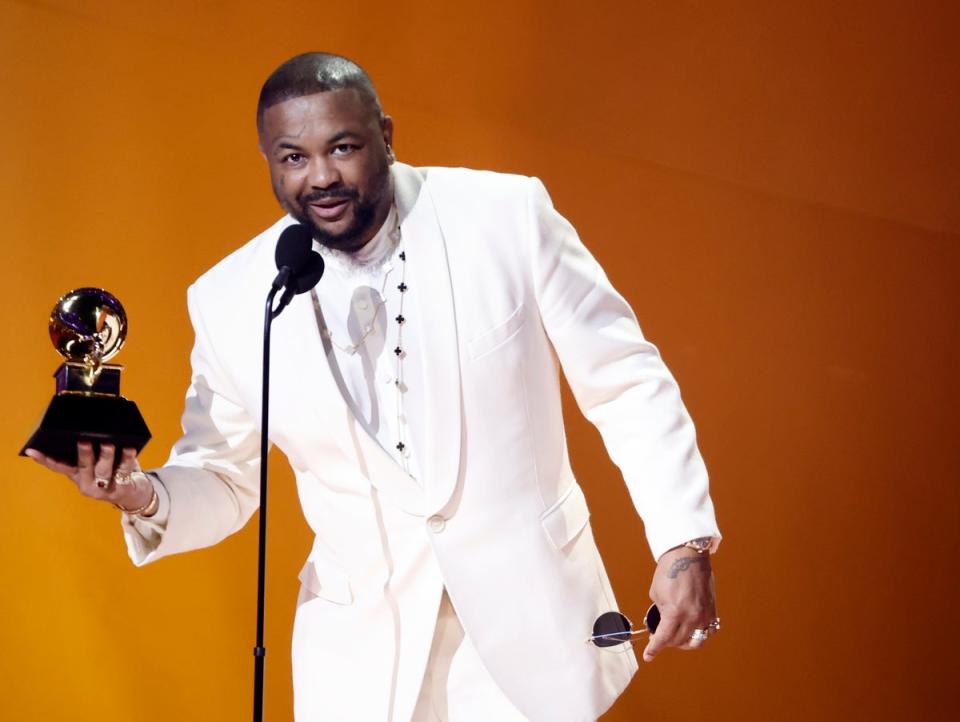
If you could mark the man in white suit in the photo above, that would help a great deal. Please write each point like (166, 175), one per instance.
(416, 394)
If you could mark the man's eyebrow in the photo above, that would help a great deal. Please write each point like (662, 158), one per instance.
(342, 135)
(289, 144)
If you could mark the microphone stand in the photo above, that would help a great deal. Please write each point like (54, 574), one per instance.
(259, 651)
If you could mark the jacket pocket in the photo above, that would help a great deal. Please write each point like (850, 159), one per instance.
(566, 519)
(324, 580)
(495, 337)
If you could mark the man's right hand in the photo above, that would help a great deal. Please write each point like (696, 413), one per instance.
(97, 478)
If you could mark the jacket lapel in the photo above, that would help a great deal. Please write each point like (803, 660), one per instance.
(307, 357)
(427, 267)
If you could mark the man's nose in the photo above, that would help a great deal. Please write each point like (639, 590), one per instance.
(323, 173)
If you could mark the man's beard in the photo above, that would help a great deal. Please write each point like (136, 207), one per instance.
(364, 213)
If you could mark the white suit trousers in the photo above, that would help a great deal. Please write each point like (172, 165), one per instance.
(456, 685)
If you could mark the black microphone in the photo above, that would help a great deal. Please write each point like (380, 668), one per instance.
(292, 252)
(300, 267)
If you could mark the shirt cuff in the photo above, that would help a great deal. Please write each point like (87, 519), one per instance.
(143, 534)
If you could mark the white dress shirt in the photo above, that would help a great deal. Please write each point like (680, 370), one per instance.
(360, 302)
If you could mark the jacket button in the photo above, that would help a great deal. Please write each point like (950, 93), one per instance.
(436, 523)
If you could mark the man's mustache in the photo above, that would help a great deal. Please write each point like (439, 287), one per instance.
(331, 194)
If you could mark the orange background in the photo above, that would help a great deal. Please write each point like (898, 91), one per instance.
(773, 186)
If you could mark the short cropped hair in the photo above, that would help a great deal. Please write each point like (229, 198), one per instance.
(311, 73)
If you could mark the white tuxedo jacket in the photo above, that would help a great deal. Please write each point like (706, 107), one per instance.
(508, 295)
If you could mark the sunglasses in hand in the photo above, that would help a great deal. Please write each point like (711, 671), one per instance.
(613, 628)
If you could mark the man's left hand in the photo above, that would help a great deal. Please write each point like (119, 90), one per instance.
(683, 590)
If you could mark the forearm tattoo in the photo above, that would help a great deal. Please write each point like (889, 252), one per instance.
(682, 564)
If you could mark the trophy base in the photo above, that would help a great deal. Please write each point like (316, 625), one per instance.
(98, 419)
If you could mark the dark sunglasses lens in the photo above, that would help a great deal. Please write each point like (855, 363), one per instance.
(612, 628)
(652, 620)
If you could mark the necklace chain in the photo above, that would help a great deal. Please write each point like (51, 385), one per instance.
(400, 352)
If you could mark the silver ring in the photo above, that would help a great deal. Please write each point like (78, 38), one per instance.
(123, 478)
(699, 635)
(102, 482)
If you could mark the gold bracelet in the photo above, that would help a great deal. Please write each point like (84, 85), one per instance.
(148, 509)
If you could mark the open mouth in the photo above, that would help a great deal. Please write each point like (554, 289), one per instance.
(331, 210)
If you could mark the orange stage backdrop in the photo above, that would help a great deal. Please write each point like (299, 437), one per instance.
(773, 186)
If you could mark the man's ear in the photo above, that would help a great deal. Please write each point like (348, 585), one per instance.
(386, 128)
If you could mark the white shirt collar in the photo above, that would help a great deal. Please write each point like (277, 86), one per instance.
(372, 256)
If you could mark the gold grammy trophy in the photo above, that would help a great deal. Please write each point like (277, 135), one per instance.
(88, 327)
